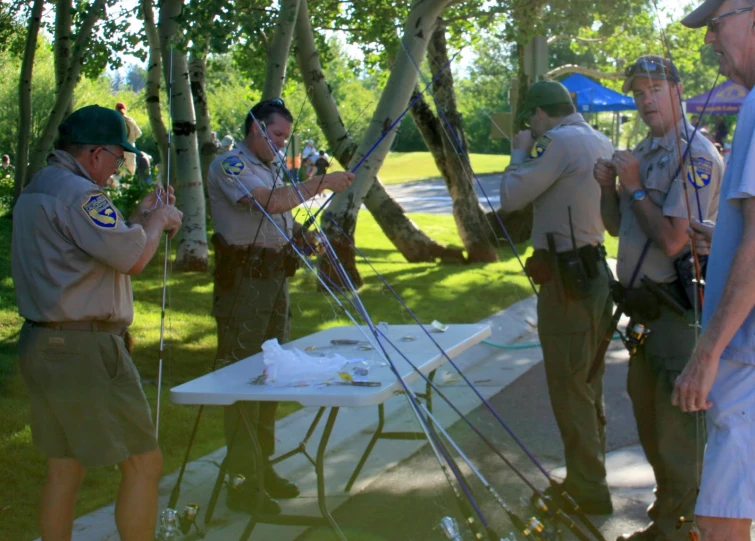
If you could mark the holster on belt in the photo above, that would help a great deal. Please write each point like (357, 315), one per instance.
(539, 268)
(228, 258)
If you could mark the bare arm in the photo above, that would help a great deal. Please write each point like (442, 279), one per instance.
(737, 301)
(278, 200)
(668, 233)
(605, 175)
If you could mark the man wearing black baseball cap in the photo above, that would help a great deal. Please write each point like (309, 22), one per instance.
(720, 377)
(648, 211)
(71, 257)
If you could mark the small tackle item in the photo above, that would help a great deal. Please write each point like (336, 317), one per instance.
(168, 524)
(450, 528)
(635, 336)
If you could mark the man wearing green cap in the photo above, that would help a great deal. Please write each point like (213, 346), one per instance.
(551, 167)
(648, 211)
(71, 257)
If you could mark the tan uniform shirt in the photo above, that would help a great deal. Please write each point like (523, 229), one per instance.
(233, 175)
(557, 175)
(664, 183)
(71, 249)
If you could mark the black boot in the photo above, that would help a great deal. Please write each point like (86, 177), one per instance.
(248, 501)
(278, 487)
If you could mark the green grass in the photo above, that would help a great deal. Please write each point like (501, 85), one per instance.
(411, 166)
(450, 293)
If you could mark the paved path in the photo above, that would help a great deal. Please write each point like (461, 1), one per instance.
(431, 196)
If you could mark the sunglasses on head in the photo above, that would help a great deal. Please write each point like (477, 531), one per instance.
(714, 23)
(275, 102)
(645, 66)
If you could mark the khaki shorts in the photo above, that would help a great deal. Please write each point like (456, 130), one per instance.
(87, 401)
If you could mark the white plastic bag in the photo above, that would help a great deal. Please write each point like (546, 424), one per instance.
(293, 367)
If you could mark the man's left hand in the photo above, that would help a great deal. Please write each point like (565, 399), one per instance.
(157, 197)
(693, 386)
(628, 169)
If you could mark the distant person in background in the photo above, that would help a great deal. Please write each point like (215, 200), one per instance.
(721, 131)
(214, 139)
(134, 133)
(226, 144)
(308, 157)
(322, 164)
(6, 169)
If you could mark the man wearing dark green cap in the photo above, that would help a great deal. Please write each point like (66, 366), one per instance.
(551, 167)
(71, 257)
(648, 211)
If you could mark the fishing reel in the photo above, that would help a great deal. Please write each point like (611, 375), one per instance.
(635, 336)
(236, 482)
(173, 523)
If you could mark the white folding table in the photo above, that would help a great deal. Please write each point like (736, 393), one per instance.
(236, 383)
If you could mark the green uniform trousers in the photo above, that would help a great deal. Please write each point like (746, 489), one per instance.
(672, 440)
(247, 314)
(570, 331)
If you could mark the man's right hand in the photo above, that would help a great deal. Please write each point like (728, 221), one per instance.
(701, 233)
(605, 173)
(339, 181)
(170, 218)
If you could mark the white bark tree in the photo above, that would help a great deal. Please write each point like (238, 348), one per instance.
(279, 49)
(191, 251)
(344, 207)
(413, 244)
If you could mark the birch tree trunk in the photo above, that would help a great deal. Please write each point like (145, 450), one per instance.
(191, 250)
(65, 92)
(444, 140)
(413, 244)
(278, 51)
(24, 98)
(154, 82)
(62, 46)
(198, 71)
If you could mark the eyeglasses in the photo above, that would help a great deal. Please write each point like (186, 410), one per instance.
(275, 102)
(119, 161)
(647, 65)
(714, 23)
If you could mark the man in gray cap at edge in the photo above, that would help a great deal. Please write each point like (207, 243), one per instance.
(71, 256)
(720, 377)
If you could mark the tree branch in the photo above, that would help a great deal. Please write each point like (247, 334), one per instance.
(573, 68)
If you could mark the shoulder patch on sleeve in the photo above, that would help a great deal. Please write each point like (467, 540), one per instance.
(540, 146)
(99, 209)
(700, 172)
(232, 165)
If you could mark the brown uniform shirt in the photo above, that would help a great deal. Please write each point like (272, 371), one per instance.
(664, 183)
(233, 175)
(557, 175)
(71, 249)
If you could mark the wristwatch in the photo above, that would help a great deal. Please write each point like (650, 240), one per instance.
(639, 195)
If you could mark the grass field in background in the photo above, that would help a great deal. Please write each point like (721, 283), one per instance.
(412, 166)
(452, 293)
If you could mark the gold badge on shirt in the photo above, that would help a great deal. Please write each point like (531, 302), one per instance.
(100, 211)
(540, 146)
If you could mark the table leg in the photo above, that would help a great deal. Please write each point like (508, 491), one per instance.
(375, 437)
(302, 448)
(260, 474)
(319, 468)
(215, 493)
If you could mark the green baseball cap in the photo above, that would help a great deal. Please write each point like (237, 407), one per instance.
(544, 93)
(95, 125)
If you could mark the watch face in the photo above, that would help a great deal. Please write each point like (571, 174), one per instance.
(638, 195)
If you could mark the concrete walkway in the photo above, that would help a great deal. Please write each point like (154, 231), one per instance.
(401, 493)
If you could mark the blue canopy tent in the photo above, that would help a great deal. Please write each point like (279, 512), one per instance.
(593, 97)
(725, 99)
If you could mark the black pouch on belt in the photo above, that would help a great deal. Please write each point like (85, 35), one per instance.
(642, 304)
(290, 262)
(574, 274)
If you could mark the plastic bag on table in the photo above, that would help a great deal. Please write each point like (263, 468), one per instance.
(293, 367)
